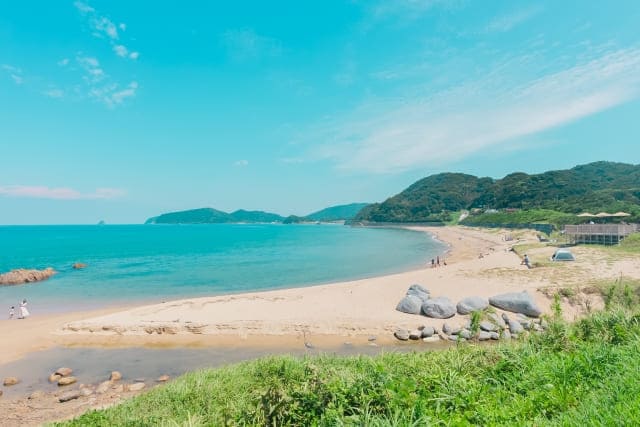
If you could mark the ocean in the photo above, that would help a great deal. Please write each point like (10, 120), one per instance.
(131, 264)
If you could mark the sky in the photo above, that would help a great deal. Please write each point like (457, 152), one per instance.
(118, 111)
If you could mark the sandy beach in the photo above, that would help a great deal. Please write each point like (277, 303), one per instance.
(478, 263)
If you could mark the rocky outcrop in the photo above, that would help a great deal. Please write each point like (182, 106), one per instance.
(439, 308)
(469, 304)
(516, 302)
(66, 381)
(21, 275)
(9, 381)
(419, 291)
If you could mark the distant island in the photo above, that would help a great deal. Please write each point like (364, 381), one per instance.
(555, 196)
(214, 216)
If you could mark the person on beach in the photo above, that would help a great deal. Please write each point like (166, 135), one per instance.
(12, 312)
(24, 313)
(525, 261)
(433, 263)
(438, 261)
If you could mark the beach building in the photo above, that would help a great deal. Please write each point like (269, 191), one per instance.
(602, 234)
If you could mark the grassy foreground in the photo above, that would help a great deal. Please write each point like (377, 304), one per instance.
(587, 373)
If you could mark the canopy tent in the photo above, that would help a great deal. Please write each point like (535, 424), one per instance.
(586, 215)
(621, 214)
(604, 215)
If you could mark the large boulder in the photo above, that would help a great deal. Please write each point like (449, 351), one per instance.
(516, 302)
(469, 304)
(419, 291)
(21, 275)
(428, 331)
(439, 308)
(69, 395)
(515, 327)
(498, 320)
(9, 381)
(63, 372)
(487, 326)
(401, 334)
(410, 304)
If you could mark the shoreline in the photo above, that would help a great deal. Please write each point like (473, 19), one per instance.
(479, 263)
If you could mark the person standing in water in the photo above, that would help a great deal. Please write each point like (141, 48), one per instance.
(24, 312)
(12, 312)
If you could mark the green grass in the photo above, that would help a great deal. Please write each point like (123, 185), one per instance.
(524, 216)
(587, 373)
(631, 244)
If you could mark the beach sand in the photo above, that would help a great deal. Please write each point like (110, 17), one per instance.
(478, 263)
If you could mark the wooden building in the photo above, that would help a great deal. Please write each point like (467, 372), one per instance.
(602, 234)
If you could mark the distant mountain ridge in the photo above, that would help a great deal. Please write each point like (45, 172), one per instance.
(214, 216)
(595, 186)
(337, 213)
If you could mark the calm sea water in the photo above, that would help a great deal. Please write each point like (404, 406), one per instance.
(138, 263)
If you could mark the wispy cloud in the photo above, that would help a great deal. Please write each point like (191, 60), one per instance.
(113, 94)
(59, 193)
(245, 44)
(63, 62)
(241, 163)
(385, 135)
(120, 50)
(504, 23)
(14, 73)
(54, 93)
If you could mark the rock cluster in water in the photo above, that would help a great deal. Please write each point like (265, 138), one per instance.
(21, 275)
(492, 326)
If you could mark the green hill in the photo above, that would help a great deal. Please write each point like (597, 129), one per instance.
(337, 213)
(599, 186)
(213, 216)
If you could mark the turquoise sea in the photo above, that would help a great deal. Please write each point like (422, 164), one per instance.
(129, 264)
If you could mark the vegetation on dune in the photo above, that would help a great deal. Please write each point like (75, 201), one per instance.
(587, 373)
(546, 197)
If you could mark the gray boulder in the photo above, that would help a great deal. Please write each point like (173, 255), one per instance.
(401, 334)
(505, 334)
(419, 291)
(466, 334)
(439, 308)
(498, 320)
(515, 327)
(485, 325)
(410, 304)
(415, 335)
(516, 302)
(484, 336)
(69, 395)
(494, 335)
(428, 331)
(505, 317)
(450, 330)
(469, 304)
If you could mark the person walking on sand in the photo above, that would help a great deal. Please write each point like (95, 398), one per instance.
(24, 312)
(438, 261)
(525, 261)
(12, 312)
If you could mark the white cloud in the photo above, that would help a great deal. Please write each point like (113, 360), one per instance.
(15, 73)
(17, 79)
(88, 61)
(120, 50)
(134, 55)
(247, 44)
(83, 7)
(104, 25)
(111, 95)
(505, 23)
(123, 26)
(60, 193)
(63, 62)
(387, 135)
(54, 93)
(241, 163)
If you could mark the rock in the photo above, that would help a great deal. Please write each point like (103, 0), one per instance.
(86, 392)
(119, 388)
(53, 378)
(410, 304)
(484, 336)
(428, 331)
(544, 324)
(537, 327)
(494, 335)
(466, 334)
(138, 380)
(439, 308)
(419, 291)
(64, 372)
(163, 378)
(69, 395)
(469, 304)
(446, 328)
(136, 386)
(103, 387)
(415, 335)
(66, 381)
(453, 338)
(79, 265)
(401, 334)
(115, 376)
(505, 334)
(485, 325)
(505, 317)
(9, 381)
(372, 338)
(21, 275)
(515, 327)
(517, 302)
(498, 320)
(434, 338)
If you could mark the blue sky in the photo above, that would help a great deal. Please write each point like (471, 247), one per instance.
(119, 110)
